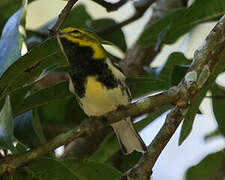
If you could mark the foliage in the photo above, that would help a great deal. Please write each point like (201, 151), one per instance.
(27, 107)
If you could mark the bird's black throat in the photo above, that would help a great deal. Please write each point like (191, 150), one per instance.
(84, 65)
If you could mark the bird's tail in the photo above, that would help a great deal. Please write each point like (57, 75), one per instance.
(128, 137)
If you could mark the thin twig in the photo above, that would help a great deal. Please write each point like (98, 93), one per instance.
(140, 7)
(115, 27)
(62, 16)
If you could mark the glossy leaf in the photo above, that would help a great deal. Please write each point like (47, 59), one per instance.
(141, 86)
(24, 130)
(91, 170)
(47, 168)
(213, 134)
(6, 126)
(190, 116)
(20, 174)
(207, 168)
(20, 148)
(43, 97)
(200, 11)
(31, 65)
(128, 161)
(107, 148)
(70, 169)
(64, 111)
(218, 102)
(73, 20)
(37, 126)
(116, 37)
(11, 41)
(166, 71)
(178, 74)
(7, 8)
(151, 117)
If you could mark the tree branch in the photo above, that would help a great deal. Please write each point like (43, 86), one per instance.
(89, 127)
(62, 16)
(203, 71)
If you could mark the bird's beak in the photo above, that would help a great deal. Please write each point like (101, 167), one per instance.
(60, 33)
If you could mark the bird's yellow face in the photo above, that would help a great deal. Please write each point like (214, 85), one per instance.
(84, 39)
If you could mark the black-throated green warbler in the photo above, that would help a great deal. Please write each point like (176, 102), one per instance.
(97, 83)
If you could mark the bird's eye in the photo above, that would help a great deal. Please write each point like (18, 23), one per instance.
(75, 31)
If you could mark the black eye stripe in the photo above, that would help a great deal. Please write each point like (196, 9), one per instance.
(75, 31)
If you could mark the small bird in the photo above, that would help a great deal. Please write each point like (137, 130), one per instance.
(98, 84)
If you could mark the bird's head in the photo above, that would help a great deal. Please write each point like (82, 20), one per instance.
(70, 37)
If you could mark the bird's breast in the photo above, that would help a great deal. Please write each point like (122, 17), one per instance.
(99, 99)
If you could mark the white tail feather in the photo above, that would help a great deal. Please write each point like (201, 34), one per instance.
(128, 137)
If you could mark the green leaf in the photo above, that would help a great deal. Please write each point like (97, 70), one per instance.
(200, 11)
(7, 8)
(128, 161)
(37, 126)
(116, 37)
(11, 41)
(17, 97)
(213, 134)
(24, 130)
(161, 36)
(107, 148)
(49, 169)
(91, 170)
(218, 102)
(166, 71)
(20, 148)
(207, 168)
(42, 97)
(190, 116)
(178, 74)
(6, 126)
(73, 21)
(27, 68)
(66, 110)
(20, 174)
(70, 169)
(151, 117)
(141, 86)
